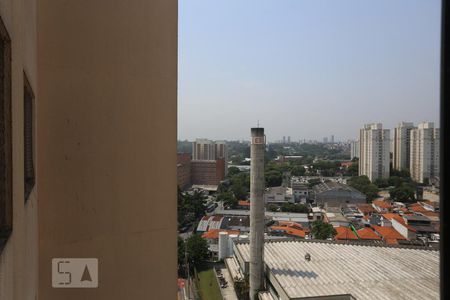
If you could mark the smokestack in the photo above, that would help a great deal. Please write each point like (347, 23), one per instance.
(257, 185)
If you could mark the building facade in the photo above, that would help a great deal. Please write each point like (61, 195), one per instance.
(402, 145)
(184, 170)
(207, 172)
(354, 149)
(19, 238)
(424, 154)
(374, 151)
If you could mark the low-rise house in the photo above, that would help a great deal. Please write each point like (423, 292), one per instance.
(388, 234)
(345, 233)
(381, 205)
(243, 204)
(278, 195)
(399, 224)
(368, 234)
(290, 229)
(365, 208)
(240, 223)
(209, 222)
(300, 190)
(335, 217)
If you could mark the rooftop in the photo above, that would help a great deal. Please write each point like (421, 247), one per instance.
(365, 272)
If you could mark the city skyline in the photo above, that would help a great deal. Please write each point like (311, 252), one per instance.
(261, 61)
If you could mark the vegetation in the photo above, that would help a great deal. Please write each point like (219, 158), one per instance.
(322, 231)
(191, 207)
(242, 287)
(181, 248)
(228, 199)
(294, 208)
(363, 184)
(272, 207)
(207, 284)
(197, 250)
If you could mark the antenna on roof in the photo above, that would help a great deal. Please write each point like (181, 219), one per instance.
(257, 124)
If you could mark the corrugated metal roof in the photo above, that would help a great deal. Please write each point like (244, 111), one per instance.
(365, 272)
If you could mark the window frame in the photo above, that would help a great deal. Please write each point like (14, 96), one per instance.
(6, 199)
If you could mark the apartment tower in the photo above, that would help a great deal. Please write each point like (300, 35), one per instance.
(374, 151)
(354, 149)
(424, 152)
(402, 145)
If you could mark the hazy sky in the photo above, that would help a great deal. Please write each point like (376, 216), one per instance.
(305, 68)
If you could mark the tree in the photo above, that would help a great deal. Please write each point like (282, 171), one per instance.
(295, 208)
(322, 231)
(363, 184)
(273, 178)
(197, 250)
(272, 207)
(382, 183)
(181, 249)
(353, 169)
(233, 171)
(228, 199)
(402, 193)
(298, 170)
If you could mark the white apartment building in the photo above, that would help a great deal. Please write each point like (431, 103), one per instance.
(354, 149)
(374, 151)
(402, 145)
(424, 152)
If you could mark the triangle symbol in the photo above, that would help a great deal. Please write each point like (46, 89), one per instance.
(86, 275)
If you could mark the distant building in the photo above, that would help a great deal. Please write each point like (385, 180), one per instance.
(332, 138)
(402, 145)
(207, 172)
(374, 151)
(424, 152)
(354, 149)
(325, 140)
(279, 195)
(336, 194)
(289, 139)
(300, 190)
(183, 170)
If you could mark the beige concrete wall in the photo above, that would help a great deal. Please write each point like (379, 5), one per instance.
(19, 259)
(107, 76)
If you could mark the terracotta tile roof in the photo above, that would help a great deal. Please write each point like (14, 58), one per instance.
(382, 204)
(399, 219)
(244, 203)
(290, 224)
(388, 233)
(368, 234)
(217, 218)
(430, 213)
(416, 207)
(391, 241)
(214, 233)
(290, 230)
(365, 208)
(345, 233)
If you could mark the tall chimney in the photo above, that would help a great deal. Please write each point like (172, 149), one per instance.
(257, 185)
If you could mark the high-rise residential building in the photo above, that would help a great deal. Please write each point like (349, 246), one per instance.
(209, 162)
(325, 140)
(424, 159)
(284, 140)
(402, 145)
(354, 149)
(204, 149)
(289, 139)
(374, 151)
(332, 138)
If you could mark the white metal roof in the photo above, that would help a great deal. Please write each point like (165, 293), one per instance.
(365, 272)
